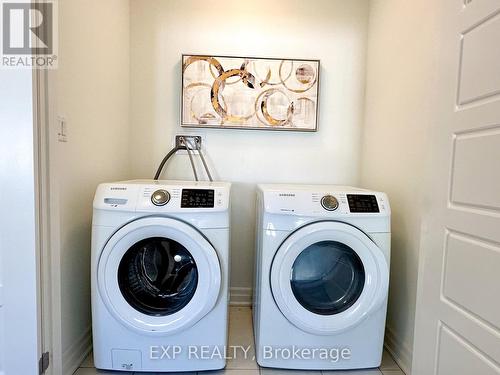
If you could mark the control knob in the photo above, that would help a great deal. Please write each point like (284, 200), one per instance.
(160, 197)
(329, 203)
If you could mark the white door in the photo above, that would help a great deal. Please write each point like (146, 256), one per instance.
(328, 276)
(159, 275)
(19, 314)
(458, 305)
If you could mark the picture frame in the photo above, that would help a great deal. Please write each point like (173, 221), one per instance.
(232, 92)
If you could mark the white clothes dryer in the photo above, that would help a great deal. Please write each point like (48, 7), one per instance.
(322, 277)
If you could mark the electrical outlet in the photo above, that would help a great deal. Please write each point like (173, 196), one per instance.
(194, 140)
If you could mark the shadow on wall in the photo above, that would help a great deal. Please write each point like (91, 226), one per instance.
(243, 196)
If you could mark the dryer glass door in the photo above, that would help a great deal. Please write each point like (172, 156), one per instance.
(327, 277)
(158, 275)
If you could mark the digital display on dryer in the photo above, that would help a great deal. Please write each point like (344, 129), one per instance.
(362, 203)
(197, 198)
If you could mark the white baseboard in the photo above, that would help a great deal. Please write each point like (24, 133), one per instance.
(77, 352)
(240, 296)
(399, 350)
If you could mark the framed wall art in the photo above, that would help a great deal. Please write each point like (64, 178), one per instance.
(249, 93)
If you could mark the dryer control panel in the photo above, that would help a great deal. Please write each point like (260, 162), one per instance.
(363, 203)
(323, 201)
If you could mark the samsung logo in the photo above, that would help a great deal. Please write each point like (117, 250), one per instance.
(286, 195)
(118, 188)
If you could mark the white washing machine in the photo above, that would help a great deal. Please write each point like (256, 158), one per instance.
(322, 276)
(160, 264)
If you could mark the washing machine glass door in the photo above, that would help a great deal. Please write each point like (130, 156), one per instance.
(328, 276)
(159, 275)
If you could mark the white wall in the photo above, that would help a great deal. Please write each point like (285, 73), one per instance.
(18, 241)
(91, 90)
(333, 31)
(399, 76)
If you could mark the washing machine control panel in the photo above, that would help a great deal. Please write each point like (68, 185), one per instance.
(198, 198)
(163, 197)
(179, 199)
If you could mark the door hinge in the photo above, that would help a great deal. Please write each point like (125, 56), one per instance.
(43, 363)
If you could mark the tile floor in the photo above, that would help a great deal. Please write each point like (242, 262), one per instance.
(240, 333)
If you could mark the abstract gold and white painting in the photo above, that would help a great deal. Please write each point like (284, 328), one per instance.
(249, 93)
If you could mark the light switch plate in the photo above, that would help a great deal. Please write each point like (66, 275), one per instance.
(62, 135)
